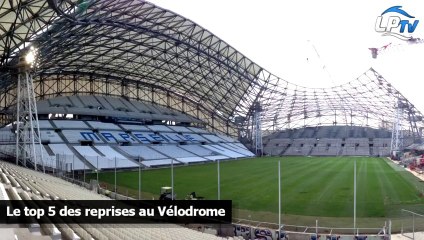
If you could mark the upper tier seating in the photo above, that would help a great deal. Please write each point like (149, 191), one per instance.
(180, 129)
(103, 125)
(197, 130)
(213, 138)
(133, 127)
(225, 138)
(159, 128)
(69, 124)
(111, 107)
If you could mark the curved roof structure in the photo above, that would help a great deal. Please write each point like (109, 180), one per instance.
(135, 49)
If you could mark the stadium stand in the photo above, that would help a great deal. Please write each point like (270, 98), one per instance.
(225, 138)
(188, 160)
(83, 144)
(72, 136)
(237, 148)
(329, 141)
(8, 149)
(66, 154)
(197, 130)
(180, 88)
(117, 137)
(67, 124)
(160, 162)
(49, 160)
(50, 136)
(201, 151)
(213, 138)
(159, 128)
(144, 152)
(108, 159)
(327, 147)
(44, 124)
(224, 151)
(110, 107)
(103, 125)
(6, 135)
(38, 186)
(172, 151)
(180, 129)
(277, 146)
(133, 127)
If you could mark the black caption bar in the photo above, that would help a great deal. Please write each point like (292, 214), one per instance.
(117, 212)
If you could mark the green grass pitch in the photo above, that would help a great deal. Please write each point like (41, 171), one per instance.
(312, 186)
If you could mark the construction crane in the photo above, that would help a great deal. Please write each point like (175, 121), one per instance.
(377, 51)
(322, 64)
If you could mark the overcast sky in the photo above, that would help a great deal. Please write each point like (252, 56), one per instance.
(281, 36)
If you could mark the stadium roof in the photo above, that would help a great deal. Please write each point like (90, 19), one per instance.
(140, 43)
(134, 40)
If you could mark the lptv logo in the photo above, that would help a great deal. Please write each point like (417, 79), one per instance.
(396, 22)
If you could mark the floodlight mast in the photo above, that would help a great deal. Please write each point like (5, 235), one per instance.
(27, 125)
(397, 133)
(258, 129)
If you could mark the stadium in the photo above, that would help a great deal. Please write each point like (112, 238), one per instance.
(125, 100)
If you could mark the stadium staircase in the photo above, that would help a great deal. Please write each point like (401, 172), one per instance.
(340, 152)
(125, 154)
(98, 152)
(86, 163)
(48, 150)
(284, 150)
(310, 151)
